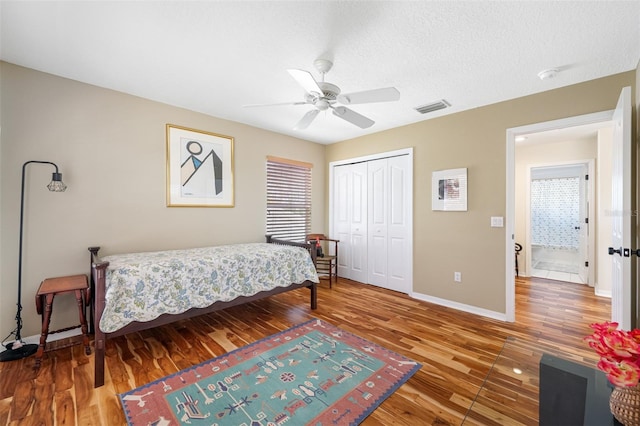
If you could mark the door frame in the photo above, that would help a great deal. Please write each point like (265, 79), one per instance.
(590, 163)
(379, 156)
(511, 134)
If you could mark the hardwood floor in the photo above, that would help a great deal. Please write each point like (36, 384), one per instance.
(456, 349)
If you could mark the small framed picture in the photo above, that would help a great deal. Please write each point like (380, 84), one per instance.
(199, 168)
(449, 190)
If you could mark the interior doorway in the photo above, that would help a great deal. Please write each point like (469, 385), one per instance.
(598, 120)
(558, 222)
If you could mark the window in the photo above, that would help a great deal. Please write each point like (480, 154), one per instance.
(288, 199)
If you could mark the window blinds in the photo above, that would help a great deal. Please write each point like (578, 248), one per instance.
(288, 199)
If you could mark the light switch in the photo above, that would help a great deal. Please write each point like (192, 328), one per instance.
(497, 221)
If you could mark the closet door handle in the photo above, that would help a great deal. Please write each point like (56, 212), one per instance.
(577, 227)
(612, 251)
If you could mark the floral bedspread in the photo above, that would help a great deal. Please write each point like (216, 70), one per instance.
(142, 286)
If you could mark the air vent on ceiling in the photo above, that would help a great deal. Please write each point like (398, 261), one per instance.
(433, 106)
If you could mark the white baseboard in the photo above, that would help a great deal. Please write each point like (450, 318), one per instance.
(35, 339)
(606, 293)
(461, 307)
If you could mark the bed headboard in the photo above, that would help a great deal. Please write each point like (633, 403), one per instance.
(310, 247)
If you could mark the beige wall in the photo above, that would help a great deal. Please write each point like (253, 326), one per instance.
(110, 148)
(445, 242)
(535, 155)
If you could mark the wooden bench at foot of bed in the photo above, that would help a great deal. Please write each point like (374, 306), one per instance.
(98, 285)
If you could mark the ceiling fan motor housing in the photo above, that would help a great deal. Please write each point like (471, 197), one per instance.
(330, 91)
(329, 94)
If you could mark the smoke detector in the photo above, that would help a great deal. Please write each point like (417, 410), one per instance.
(548, 74)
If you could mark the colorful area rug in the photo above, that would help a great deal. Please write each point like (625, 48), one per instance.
(313, 373)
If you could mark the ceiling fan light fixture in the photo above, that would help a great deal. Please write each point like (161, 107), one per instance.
(322, 104)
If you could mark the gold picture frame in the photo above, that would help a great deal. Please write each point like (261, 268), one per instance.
(199, 168)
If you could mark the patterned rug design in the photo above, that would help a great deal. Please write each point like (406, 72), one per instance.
(313, 373)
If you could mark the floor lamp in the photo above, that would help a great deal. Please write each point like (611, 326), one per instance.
(18, 349)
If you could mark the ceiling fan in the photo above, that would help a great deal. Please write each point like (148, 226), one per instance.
(324, 96)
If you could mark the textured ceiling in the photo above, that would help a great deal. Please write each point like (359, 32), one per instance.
(214, 57)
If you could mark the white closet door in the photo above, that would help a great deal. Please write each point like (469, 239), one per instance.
(358, 259)
(388, 223)
(371, 216)
(350, 220)
(399, 256)
(378, 205)
(342, 218)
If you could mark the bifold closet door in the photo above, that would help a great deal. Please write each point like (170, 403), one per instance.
(388, 240)
(371, 220)
(377, 206)
(350, 220)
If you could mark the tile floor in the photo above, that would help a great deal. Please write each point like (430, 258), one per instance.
(558, 264)
(555, 275)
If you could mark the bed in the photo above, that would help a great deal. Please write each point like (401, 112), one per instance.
(127, 295)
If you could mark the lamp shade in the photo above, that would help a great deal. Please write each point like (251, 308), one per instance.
(56, 184)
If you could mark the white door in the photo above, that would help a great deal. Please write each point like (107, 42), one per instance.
(341, 218)
(583, 226)
(621, 294)
(350, 220)
(399, 229)
(358, 262)
(388, 223)
(371, 214)
(378, 202)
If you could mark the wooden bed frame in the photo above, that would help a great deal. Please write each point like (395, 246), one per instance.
(98, 275)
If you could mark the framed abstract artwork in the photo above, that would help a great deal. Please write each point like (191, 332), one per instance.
(199, 168)
(449, 190)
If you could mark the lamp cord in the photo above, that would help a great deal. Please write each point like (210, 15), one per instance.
(13, 333)
(16, 330)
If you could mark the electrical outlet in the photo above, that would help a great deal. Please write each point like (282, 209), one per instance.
(457, 277)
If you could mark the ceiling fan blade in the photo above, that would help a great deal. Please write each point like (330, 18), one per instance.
(306, 120)
(352, 117)
(278, 104)
(306, 80)
(387, 94)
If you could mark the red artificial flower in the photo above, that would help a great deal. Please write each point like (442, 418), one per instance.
(619, 352)
(620, 373)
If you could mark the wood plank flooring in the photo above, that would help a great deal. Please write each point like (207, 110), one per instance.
(456, 350)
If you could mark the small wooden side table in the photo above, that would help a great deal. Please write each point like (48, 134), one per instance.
(51, 287)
